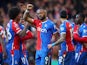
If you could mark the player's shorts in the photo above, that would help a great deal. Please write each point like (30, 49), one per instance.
(63, 49)
(82, 59)
(78, 48)
(1, 59)
(42, 58)
(7, 60)
(69, 58)
(24, 58)
(61, 53)
(77, 51)
(12, 60)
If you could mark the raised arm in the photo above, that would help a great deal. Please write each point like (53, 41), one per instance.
(26, 15)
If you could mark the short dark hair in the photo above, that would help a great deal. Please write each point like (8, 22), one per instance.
(13, 12)
(63, 14)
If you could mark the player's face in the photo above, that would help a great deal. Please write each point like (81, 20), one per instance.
(78, 19)
(19, 17)
(41, 14)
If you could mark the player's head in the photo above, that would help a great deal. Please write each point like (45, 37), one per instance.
(85, 20)
(63, 14)
(41, 14)
(15, 13)
(79, 19)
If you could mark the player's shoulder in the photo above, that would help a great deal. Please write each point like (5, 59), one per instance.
(83, 25)
(1, 28)
(63, 24)
(21, 26)
(37, 20)
(15, 24)
(9, 23)
(50, 22)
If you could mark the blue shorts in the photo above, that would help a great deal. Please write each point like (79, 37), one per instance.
(13, 60)
(63, 49)
(24, 58)
(1, 59)
(69, 58)
(77, 51)
(82, 59)
(42, 58)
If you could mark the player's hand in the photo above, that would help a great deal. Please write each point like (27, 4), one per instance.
(49, 46)
(26, 14)
(29, 6)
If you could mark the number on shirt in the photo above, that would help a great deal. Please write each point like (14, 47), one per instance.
(8, 34)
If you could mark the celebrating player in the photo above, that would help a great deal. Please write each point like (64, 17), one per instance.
(65, 35)
(14, 33)
(82, 38)
(45, 30)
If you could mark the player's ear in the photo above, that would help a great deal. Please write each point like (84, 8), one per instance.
(67, 17)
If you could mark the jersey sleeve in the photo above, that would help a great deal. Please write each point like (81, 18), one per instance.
(84, 33)
(16, 28)
(28, 35)
(35, 22)
(62, 28)
(83, 38)
(80, 39)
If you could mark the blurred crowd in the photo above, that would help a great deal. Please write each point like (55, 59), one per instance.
(53, 8)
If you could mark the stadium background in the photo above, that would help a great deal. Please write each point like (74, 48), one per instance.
(53, 8)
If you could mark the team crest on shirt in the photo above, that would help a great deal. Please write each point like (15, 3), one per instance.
(41, 30)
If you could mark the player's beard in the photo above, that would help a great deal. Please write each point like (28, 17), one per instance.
(42, 18)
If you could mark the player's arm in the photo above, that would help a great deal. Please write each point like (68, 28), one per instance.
(21, 32)
(62, 37)
(28, 35)
(26, 15)
(55, 37)
(77, 37)
(59, 41)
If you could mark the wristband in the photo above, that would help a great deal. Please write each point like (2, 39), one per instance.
(53, 44)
